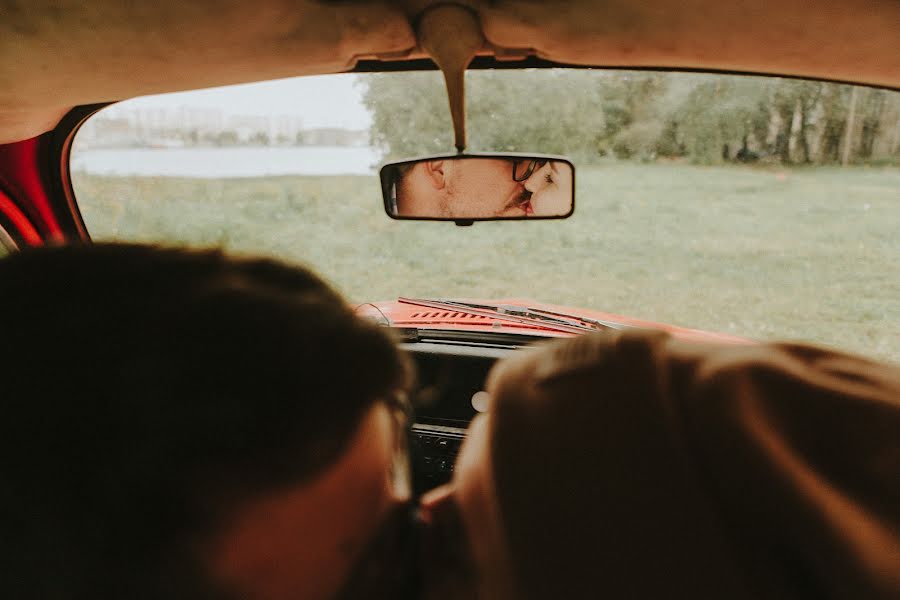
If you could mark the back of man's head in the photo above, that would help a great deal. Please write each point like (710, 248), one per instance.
(144, 388)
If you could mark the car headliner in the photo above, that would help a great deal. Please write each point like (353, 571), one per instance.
(59, 54)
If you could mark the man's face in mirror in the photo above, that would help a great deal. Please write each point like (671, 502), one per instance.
(462, 188)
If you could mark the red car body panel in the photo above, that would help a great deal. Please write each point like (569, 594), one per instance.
(401, 313)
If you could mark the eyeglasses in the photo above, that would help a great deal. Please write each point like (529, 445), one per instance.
(402, 414)
(523, 169)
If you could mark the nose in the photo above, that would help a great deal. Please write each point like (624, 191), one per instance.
(536, 182)
(439, 518)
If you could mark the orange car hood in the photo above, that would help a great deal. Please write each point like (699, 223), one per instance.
(408, 313)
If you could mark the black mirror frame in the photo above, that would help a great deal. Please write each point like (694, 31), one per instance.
(386, 184)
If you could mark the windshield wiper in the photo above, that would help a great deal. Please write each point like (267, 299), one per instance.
(534, 317)
(548, 315)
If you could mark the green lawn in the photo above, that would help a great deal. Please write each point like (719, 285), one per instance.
(808, 254)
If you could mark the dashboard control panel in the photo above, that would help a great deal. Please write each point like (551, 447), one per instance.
(434, 449)
(448, 394)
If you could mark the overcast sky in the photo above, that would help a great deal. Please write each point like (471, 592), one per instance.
(323, 101)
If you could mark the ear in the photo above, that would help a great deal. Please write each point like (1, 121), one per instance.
(434, 169)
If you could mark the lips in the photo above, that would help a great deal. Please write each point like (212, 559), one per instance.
(519, 201)
(527, 207)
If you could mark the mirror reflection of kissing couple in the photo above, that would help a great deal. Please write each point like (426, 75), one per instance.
(483, 187)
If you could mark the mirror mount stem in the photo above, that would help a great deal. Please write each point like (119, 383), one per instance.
(451, 34)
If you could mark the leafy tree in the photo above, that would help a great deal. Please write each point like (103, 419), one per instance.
(409, 113)
(718, 111)
(560, 112)
(873, 107)
(588, 114)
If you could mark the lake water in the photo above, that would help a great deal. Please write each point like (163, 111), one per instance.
(228, 162)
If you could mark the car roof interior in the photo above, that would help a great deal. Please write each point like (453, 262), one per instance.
(104, 51)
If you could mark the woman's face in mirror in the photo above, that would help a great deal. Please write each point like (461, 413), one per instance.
(551, 189)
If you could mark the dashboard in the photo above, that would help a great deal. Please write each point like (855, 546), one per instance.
(447, 395)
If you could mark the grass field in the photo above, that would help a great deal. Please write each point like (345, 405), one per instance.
(805, 254)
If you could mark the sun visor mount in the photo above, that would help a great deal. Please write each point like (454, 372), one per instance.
(451, 34)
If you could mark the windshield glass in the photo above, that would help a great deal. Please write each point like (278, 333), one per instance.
(757, 206)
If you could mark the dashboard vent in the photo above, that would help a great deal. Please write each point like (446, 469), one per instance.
(437, 314)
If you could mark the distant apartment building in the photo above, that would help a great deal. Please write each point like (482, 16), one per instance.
(250, 128)
(107, 131)
(185, 126)
(332, 136)
(286, 129)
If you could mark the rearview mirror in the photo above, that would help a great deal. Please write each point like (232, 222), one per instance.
(479, 187)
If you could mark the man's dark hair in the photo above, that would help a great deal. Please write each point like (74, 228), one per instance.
(144, 390)
(392, 178)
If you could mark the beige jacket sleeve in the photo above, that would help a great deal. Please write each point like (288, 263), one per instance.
(639, 466)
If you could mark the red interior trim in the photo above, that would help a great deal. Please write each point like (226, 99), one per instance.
(19, 221)
(21, 174)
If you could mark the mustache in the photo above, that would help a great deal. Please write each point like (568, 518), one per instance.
(519, 199)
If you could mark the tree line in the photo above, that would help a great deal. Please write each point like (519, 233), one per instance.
(640, 115)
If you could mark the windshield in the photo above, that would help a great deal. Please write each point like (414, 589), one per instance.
(756, 206)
